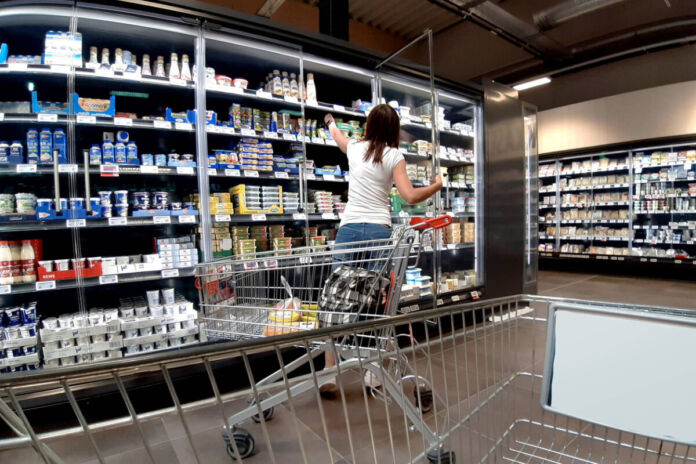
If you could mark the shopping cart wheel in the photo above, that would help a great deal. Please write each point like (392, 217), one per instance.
(267, 413)
(244, 441)
(424, 398)
(440, 456)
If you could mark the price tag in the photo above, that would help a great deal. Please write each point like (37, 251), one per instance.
(26, 168)
(328, 216)
(428, 125)
(258, 217)
(677, 261)
(123, 122)
(46, 285)
(133, 75)
(187, 219)
(289, 137)
(175, 81)
(161, 124)
(339, 108)
(67, 168)
(282, 175)
(17, 66)
(227, 130)
(305, 260)
(331, 142)
(317, 141)
(212, 172)
(149, 170)
(270, 135)
(60, 68)
(270, 263)
(5, 289)
(232, 172)
(231, 89)
(299, 217)
(108, 279)
(687, 166)
(104, 70)
(222, 218)
(329, 177)
(290, 99)
(45, 117)
(263, 94)
(248, 133)
(311, 176)
(118, 221)
(161, 219)
(653, 260)
(451, 246)
(404, 214)
(187, 170)
(2, 116)
(183, 126)
(212, 128)
(455, 298)
(85, 119)
(168, 273)
(250, 265)
(74, 223)
(251, 173)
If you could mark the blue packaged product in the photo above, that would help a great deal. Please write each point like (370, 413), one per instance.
(146, 159)
(16, 150)
(4, 154)
(95, 155)
(132, 153)
(32, 146)
(28, 314)
(160, 159)
(45, 146)
(13, 316)
(122, 136)
(108, 153)
(120, 156)
(59, 144)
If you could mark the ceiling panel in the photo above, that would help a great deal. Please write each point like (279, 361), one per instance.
(406, 18)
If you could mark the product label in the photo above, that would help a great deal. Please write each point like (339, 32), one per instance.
(290, 99)
(212, 172)
(455, 297)
(108, 279)
(17, 66)
(250, 265)
(290, 137)
(59, 68)
(270, 135)
(175, 81)
(328, 216)
(311, 176)
(44, 117)
(339, 108)
(222, 218)
(248, 132)
(108, 170)
(263, 94)
(329, 177)
(331, 142)
(162, 220)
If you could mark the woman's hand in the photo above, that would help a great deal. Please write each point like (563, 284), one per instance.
(437, 180)
(328, 119)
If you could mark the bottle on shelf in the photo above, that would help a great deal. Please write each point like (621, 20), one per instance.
(185, 68)
(16, 250)
(174, 67)
(311, 89)
(93, 58)
(302, 89)
(294, 92)
(159, 67)
(5, 263)
(118, 59)
(105, 57)
(277, 83)
(28, 262)
(146, 66)
(286, 84)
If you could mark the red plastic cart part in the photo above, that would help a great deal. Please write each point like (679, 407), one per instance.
(420, 223)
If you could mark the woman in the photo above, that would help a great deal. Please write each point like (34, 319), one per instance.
(375, 164)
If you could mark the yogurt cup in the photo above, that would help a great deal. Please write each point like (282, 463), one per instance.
(110, 314)
(41, 203)
(99, 356)
(63, 203)
(160, 329)
(50, 323)
(153, 298)
(78, 263)
(65, 321)
(140, 310)
(133, 349)
(77, 203)
(191, 323)
(91, 262)
(114, 354)
(84, 358)
(161, 345)
(62, 264)
(82, 341)
(68, 361)
(106, 211)
(13, 333)
(157, 310)
(51, 346)
(189, 339)
(122, 210)
(121, 197)
(67, 343)
(105, 197)
(145, 331)
(52, 363)
(174, 326)
(127, 312)
(130, 333)
(27, 330)
(101, 338)
(147, 347)
(171, 309)
(168, 296)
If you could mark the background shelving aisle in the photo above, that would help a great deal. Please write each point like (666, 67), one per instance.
(180, 179)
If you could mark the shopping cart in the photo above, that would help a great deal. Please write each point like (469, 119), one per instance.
(280, 292)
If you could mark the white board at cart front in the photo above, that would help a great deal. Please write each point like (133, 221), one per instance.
(624, 369)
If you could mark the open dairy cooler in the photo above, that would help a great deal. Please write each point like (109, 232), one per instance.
(146, 187)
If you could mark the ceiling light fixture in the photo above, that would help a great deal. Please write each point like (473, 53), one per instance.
(530, 84)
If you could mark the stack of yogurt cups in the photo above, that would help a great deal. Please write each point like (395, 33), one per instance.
(18, 322)
(121, 204)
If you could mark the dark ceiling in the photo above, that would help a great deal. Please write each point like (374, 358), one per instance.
(514, 40)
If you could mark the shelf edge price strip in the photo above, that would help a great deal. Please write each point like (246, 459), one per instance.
(26, 168)
(45, 285)
(74, 223)
(161, 219)
(118, 221)
(187, 219)
(67, 168)
(258, 217)
(5, 289)
(167, 273)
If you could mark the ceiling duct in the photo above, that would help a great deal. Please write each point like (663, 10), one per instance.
(567, 10)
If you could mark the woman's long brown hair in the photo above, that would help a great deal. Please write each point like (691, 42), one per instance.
(382, 131)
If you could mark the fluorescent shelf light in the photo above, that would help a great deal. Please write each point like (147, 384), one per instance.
(530, 84)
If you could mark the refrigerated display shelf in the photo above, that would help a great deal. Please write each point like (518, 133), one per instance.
(594, 203)
(601, 238)
(666, 227)
(407, 124)
(461, 295)
(98, 223)
(691, 211)
(254, 218)
(622, 167)
(654, 181)
(663, 242)
(101, 121)
(594, 187)
(44, 286)
(635, 259)
(638, 166)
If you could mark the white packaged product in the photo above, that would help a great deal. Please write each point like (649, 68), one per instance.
(191, 323)
(51, 346)
(127, 312)
(168, 295)
(189, 339)
(175, 342)
(99, 356)
(80, 321)
(67, 343)
(141, 310)
(51, 323)
(82, 341)
(153, 298)
(114, 354)
(145, 331)
(110, 314)
(146, 347)
(65, 321)
(52, 363)
(157, 310)
(84, 358)
(133, 349)
(68, 361)
(100, 338)
(174, 326)
(130, 333)
(160, 329)
(171, 309)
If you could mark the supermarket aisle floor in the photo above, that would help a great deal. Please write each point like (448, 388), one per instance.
(636, 290)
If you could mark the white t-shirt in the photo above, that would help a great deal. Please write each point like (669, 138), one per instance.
(370, 185)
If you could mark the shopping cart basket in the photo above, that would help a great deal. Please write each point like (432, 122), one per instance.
(275, 293)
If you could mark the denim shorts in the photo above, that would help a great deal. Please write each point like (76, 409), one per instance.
(359, 232)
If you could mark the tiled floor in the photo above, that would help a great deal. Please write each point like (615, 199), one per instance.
(464, 375)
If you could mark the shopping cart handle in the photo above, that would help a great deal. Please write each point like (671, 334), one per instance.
(420, 223)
